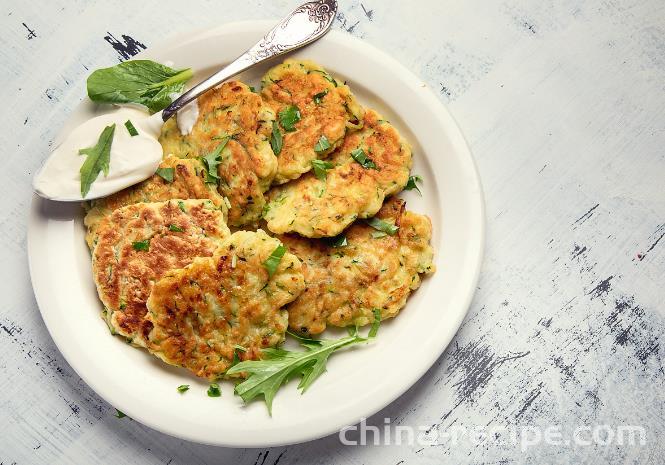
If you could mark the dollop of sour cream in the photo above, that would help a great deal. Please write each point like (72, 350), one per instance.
(133, 158)
(187, 116)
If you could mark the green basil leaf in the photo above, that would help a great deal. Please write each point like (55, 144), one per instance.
(411, 183)
(144, 82)
(166, 174)
(272, 262)
(181, 206)
(383, 226)
(322, 145)
(360, 156)
(276, 139)
(97, 159)
(175, 228)
(142, 245)
(320, 168)
(318, 98)
(288, 117)
(119, 414)
(183, 388)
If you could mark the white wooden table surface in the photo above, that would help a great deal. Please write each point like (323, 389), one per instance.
(563, 104)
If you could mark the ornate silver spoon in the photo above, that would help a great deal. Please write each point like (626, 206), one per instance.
(307, 23)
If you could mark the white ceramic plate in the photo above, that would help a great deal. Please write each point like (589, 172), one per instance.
(360, 381)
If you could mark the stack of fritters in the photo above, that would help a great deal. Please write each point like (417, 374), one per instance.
(306, 159)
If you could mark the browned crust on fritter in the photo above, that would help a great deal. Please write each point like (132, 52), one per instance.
(188, 183)
(323, 208)
(125, 276)
(202, 312)
(296, 83)
(344, 284)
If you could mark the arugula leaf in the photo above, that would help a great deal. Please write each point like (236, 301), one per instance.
(276, 139)
(266, 376)
(214, 391)
(381, 225)
(318, 98)
(142, 245)
(212, 160)
(119, 414)
(288, 117)
(272, 262)
(131, 129)
(97, 159)
(411, 183)
(360, 156)
(322, 145)
(175, 228)
(183, 388)
(320, 168)
(138, 81)
(166, 174)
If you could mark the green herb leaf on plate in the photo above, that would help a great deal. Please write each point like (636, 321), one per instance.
(181, 206)
(322, 145)
(318, 98)
(214, 391)
(97, 159)
(212, 161)
(272, 262)
(362, 158)
(276, 139)
(288, 117)
(142, 245)
(166, 174)
(131, 129)
(266, 376)
(144, 82)
(175, 228)
(321, 168)
(383, 226)
(119, 414)
(411, 183)
(183, 388)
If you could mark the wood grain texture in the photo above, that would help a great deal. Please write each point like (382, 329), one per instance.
(563, 104)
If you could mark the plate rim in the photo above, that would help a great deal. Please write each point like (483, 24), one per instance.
(441, 112)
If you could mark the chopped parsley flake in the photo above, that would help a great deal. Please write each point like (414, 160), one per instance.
(272, 262)
(166, 174)
(142, 245)
(131, 129)
(360, 156)
(322, 145)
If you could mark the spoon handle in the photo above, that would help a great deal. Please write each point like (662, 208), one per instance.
(307, 23)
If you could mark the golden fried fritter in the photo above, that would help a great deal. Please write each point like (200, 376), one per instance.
(370, 165)
(344, 284)
(202, 313)
(326, 107)
(248, 164)
(138, 244)
(188, 183)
